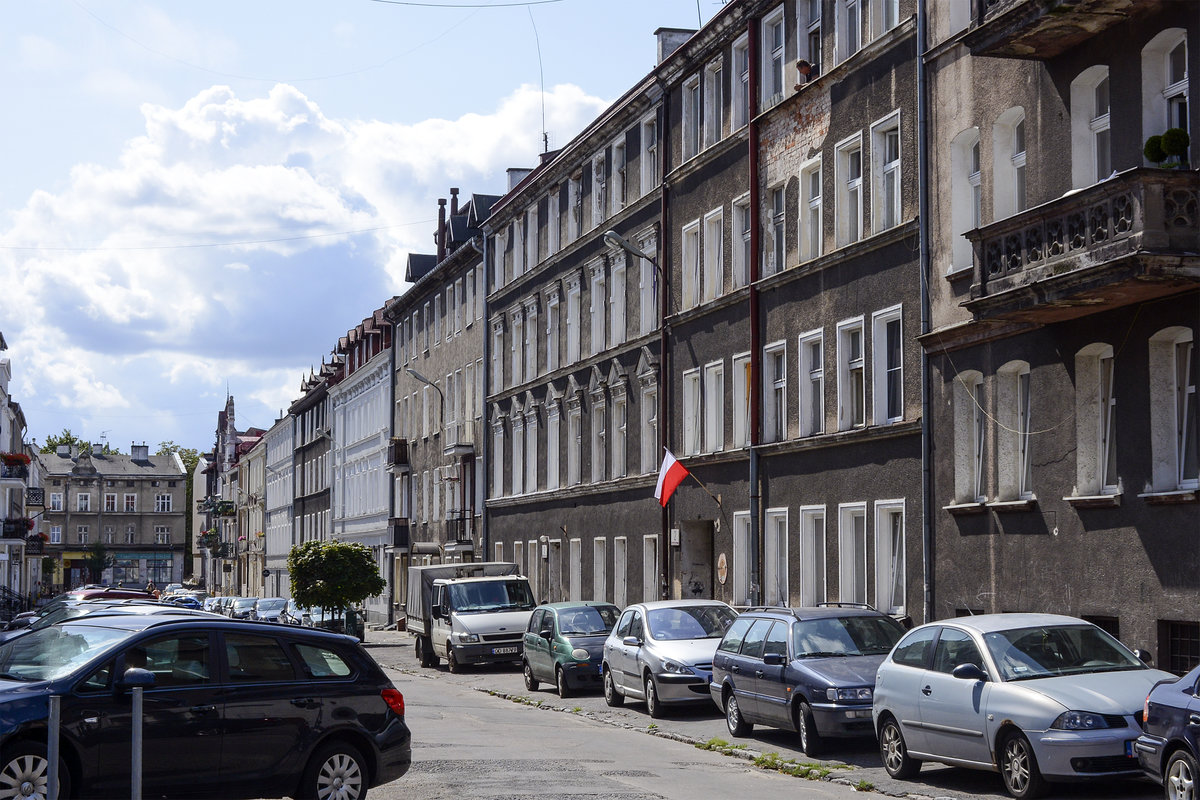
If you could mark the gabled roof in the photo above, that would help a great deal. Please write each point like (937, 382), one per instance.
(419, 265)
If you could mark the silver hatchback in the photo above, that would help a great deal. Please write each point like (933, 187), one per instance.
(662, 652)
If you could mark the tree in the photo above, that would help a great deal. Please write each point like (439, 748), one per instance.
(98, 559)
(335, 576)
(66, 437)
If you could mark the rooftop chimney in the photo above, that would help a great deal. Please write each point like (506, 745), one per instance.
(139, 452)
(516, 175)
(441, 229)
(669, 40)
(454, 201)
(63, 451)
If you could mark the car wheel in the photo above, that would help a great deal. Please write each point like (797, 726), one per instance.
(612, 696)
(452, 661)
(337, 771)
(1019, 767)
(24, 769)
(806, 725)
(560, 680)
(653, 704)
(531, 683)
(1179, 778)
(894, 753)
(733, 717)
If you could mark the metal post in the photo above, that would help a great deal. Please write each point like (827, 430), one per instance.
(52, 747)
(136, 759)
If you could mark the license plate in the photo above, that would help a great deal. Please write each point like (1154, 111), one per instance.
(1129, 748)
(504, 651)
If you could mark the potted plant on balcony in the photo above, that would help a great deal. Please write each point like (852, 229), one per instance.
(1173, 143)
(14, 459)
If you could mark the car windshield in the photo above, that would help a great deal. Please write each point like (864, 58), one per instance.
(53, 652)
(587, 620)
(690, 622)
(1053, 650)
(845, 636)
(271, 604)
(244, 602)
(491, 596)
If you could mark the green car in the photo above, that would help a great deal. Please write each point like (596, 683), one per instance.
(564, 645)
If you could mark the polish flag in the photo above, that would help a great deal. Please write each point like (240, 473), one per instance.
(670, 475)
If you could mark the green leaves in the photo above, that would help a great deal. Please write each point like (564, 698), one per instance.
(333, 575)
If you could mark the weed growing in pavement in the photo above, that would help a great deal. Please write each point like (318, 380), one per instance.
(864, 786)
(652, 727)
(800, 769)
(714, 744)
(576, 709)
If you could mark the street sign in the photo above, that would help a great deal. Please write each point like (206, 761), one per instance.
(266, 573)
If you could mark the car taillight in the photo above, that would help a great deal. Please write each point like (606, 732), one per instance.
(394, 700)
(1145, 711)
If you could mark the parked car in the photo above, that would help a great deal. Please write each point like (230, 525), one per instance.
(564, 645)
(260, 710)
(1169, 748)
(183, 601)
(1038, 697)
(213, 604)
(73, 609)
(662, 651)
(242, 608)
(809, 670)
(296, 614)
(173, 587)
(269, 609)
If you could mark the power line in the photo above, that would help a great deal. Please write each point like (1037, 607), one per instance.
(468, 5)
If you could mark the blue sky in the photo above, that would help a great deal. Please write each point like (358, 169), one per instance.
(203, 197)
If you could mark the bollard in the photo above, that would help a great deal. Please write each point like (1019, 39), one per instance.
(52, 747)
(136, 765)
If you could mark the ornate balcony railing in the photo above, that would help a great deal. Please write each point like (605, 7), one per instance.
(1132, 237)
(1042, 29)
(14, 471)
(460, 525)
(35, 497)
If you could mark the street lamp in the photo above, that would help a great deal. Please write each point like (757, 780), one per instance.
(441, 395)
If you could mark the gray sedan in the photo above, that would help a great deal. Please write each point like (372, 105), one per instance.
(1037, 697)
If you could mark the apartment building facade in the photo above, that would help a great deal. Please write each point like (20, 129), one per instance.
(311, 442)
(280, 536)
(1065, 296)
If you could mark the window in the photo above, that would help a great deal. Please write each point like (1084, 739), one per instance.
(741, 88)
(1173, 410)
(775, 392)
(649, 157)
(620, 436)
(516, 321)
(518, 452)
(851, 375)
(712, 279)
(1014, 410)
(1165, 83)
(532, 458)
(574, 445)
(553, 340)
(497, 455)
(553, 443)
(497, 356)
(83, 502)
(714, 107)
(777, 233)
(81, 533)
(130, 534)
(162, 534)
(812, 555)
(649, 568)
(852, 553)
(965, 196)
(599, 425)
(690, 264)
(1179, 645)
(647, 289)
(886, 159)
(811, 232)
(773, 42)
(1009, 157)
(849, 191)
(597, 310)
(573, 310)
(741, 241)
(888, 367)
(617, 179)
(692, 412)
(741, 400)
(56, 534)
(849, 28)
(649, 430)
(775, 557)
(620, 587)
(885, 15)
(808, 13)
(56, 501)
(616, 301)
(1095, 421)
(130, 503)
(741, 559)
(714, 406)
(967, 393)
(889, 557)
(529, 341)
(599, 562)
(110, 503)
(531, 246)
(1091, 152)
(574, 206)
(257, 659)
(692, 122)
(812, 384)
(553, 221)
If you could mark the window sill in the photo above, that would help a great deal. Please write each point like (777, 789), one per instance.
(965, 509)
(1095, 501)
(1176, 497)
(1004, 506)
(958, 273)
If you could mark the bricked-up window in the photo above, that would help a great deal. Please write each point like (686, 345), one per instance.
(1179, 645)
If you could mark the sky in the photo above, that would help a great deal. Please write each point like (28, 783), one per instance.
(199, 198)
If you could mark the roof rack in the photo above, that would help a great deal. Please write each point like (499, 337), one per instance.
(832, 604)
(778, 609)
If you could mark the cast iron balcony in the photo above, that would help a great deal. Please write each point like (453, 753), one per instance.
(1127, 239)
(1041, 29)
(35, 497)
(14, 471)
(460, 525)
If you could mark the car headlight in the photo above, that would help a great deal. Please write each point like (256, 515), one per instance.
(579, 654)
(861, 694)
(469, 638)
(1079, 721)
(671, 666)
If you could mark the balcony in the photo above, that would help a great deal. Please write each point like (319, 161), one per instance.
(1129, 239)
(16, 472)
(16, 528)
(397, 454)
(398, 531)
(459, 439)
(460, 526)
(35, 497)
(1042, 29)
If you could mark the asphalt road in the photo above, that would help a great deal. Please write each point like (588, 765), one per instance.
(481, 734)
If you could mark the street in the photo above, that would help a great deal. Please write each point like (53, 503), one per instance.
(481, 734)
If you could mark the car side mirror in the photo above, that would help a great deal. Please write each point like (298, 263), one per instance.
(436, 611)
(1144, 655)
(546, 633)
(969, 672)
(631, 641)
(137, 677)
(773, 660)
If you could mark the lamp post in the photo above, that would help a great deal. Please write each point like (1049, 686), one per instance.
(614, 239)
(436, 388)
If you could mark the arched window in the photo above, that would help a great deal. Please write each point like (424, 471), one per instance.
(1173, 411)
(1095, 421)
(1008, 163)
(1165, 82)
(966, 200)
(1091, 151)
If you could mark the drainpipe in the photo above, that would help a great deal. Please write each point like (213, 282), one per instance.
(923, 223)
(664, 310)
(391, 583)
(755, 387)
(485, 439)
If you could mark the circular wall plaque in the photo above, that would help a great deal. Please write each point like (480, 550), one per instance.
(722, 569)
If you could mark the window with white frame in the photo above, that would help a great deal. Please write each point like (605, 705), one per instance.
(130, 503)
(808, 19)
(56, 534)
(812, 383)
(518, 257)
(1174, 419)
(851, 378)
(598, 308)
(599, 426)
(741, 241)
(110, 502)
(969, 431)
(885, 200)
(553, 443)
(775, 392)
(775, 557)
(516, 321)
(531, 237)
(888, 369)
(774, 41)
(811, 232)
(648, 429)
(162, 534)
(849, 28)
(616, 301)
(83, 502)
(852, 553)
(885, 15)
(849, 209)
(620, 568)
(692, 121)
(81, 534)
(1091, 151)
(813, 589)
(712, 280)
(690, 264)
(966, 198)
(714, 107)
(1165, 83)
(531, 450)
(649, 154)
(1095, 421)
(575, 576)
(693, 410)
(647, 296)
(741, 82)
(741, 400)
(599, 564)
(889, 557)
(553, 221)
(620, 423)
(741, 559)
(56, 501)
(1008, 163)
(649, 568)
(163, 503)
(599, 189)
(1014, 464)
(714, 406)
(574, 445)
(130, 534)
(572, 320)
(553, 340)
(617, 175)
(529, 341)
(574, 206)
(776, 256)
(497, 455)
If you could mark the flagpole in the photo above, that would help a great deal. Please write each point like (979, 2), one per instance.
(705, 488)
